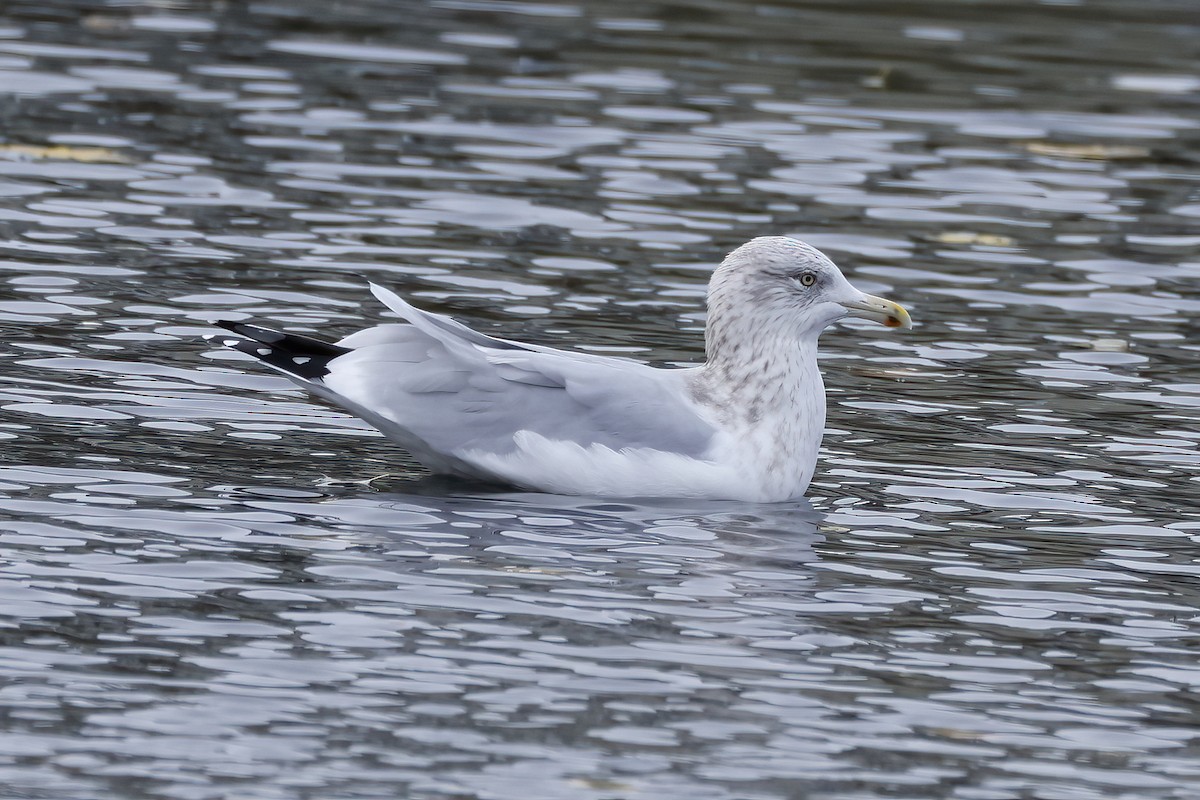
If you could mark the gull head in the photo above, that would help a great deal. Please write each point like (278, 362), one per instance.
(785, 287)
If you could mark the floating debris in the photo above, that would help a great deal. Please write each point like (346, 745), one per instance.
(1094, 152)
(970, 237)
(87, 155)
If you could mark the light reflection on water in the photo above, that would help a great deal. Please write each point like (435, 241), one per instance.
(992, 593)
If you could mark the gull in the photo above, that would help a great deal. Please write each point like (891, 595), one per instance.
(745, 425)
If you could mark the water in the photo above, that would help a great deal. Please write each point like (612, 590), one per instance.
(991, 595)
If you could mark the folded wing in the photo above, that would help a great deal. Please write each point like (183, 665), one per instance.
(462, 401)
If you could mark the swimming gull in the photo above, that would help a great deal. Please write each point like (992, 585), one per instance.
(746, 425)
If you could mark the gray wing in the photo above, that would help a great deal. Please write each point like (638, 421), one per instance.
(443, 390)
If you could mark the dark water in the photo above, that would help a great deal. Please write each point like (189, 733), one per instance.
(992, 595)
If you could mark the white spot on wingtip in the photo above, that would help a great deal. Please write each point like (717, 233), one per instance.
(230, 342)
(263, 351)
(301, 359)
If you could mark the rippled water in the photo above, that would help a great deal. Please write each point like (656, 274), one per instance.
(993, 593)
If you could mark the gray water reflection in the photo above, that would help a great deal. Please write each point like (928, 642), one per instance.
(992, 594)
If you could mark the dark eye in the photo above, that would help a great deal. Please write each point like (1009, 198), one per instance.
(807, 279)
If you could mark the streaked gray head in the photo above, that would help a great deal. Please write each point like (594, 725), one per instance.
(774, 286)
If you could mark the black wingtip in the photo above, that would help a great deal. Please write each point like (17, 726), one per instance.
(300, 356)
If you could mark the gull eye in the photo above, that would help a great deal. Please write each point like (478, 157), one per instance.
(807, 279)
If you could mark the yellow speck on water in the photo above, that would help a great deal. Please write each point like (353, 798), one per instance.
(879, 80)
(1109, 345)
(958, 734)
(523, 570)
(90, 155)
(1096, 152)
(604, 784)
(970, 237)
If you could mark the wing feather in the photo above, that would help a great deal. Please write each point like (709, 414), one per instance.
(439, 326)
(458, 399)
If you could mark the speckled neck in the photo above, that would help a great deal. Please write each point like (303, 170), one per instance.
(757, 359)
(751, 380)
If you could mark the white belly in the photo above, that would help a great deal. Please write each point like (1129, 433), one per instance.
(737, 468)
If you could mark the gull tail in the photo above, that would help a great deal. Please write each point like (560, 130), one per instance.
(292, 354)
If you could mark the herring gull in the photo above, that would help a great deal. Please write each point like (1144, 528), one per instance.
(745, 425)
